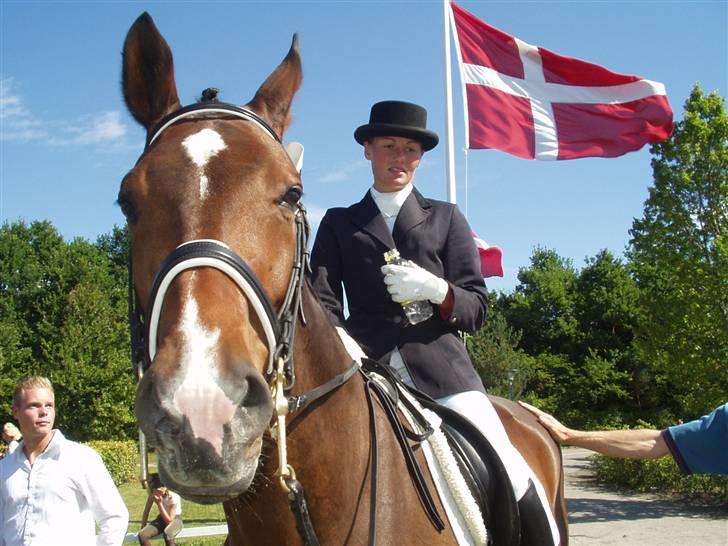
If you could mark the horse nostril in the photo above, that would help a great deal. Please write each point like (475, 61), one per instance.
(256, 392)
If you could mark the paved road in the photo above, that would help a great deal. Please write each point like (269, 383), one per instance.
(599, 517)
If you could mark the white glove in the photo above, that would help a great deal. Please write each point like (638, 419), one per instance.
(413, 283)
(355, 351)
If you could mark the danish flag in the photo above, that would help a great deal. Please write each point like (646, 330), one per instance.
(530, 102)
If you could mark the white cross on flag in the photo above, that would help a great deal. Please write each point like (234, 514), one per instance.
(535, 104)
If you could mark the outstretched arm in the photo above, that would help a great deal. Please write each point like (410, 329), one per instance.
(626, 444)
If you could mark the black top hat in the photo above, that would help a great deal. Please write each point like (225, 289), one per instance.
(397, 118)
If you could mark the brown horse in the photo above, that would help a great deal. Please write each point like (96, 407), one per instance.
(217, 254)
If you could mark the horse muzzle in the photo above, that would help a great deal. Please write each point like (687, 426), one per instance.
(207, 436)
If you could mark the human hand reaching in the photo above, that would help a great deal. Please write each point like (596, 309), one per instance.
(558, 431)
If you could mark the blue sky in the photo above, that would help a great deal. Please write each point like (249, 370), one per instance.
(66, 139)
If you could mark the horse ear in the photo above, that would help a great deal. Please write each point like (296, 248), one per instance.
(147, 74)
(273, 99)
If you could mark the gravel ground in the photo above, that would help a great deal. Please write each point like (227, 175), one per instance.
(599, 516)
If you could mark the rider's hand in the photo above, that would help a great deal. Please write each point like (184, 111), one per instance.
(413, 283)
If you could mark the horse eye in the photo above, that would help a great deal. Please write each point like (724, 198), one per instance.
(293, 196)
(127, 208)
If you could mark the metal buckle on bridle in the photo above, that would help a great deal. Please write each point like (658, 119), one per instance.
(280, 404)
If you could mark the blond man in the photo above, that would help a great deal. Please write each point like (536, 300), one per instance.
(55, 492)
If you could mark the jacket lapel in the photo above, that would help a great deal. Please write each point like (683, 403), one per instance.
(414, 211)
(366, 215)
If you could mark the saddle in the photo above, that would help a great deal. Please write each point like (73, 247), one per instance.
(483, 471)
(478, 462)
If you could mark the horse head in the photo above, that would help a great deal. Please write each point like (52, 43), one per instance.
(214, 189)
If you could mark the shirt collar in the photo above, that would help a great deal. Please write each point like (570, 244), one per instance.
(389, 203)
(51, 450)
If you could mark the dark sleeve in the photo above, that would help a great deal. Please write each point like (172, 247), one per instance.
(462, 272)
(326, 270)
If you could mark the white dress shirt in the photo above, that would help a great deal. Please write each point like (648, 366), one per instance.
(60, 499)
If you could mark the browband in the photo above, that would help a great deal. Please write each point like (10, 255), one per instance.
(202, 107)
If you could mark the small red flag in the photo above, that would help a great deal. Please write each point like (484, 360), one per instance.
(491, 258)
(536, 104)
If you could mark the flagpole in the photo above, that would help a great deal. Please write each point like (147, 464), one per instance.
(450, 149)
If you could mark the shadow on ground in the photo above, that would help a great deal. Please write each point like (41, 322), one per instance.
(592, 510)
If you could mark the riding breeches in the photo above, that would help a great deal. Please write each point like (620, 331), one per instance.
(477, 408)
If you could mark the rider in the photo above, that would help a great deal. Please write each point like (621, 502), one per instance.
(348, 254)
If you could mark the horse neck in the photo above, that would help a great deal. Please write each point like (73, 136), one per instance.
(319, 353)
(313, 439)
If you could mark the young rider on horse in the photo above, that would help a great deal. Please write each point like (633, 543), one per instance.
(443, 270)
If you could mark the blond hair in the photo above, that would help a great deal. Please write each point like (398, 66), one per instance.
(31, 382)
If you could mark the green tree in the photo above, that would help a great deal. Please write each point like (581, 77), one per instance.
(94, 378)
(504, 369)
(64, 316)
(32, 282)
(679, 252)
(542, 306)
(578, 329)
(609, 313)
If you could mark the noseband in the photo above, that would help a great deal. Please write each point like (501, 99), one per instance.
(279, 327)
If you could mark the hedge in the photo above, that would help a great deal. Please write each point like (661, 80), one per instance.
(120, 457)
(661, 476)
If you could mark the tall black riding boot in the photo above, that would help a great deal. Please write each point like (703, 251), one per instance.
(535, 528)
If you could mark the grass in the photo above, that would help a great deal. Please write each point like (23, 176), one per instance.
(193, 515)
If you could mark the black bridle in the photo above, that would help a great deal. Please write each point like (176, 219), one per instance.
(279, 327)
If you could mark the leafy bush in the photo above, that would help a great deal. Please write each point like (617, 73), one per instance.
(659, 476)
(120, 458)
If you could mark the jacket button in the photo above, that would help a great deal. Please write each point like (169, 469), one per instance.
(453, 319)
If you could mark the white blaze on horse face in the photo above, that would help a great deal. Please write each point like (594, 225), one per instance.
(199, 396)
(200, 148)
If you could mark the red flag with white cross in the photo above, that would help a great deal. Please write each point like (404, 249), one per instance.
(530, 102)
